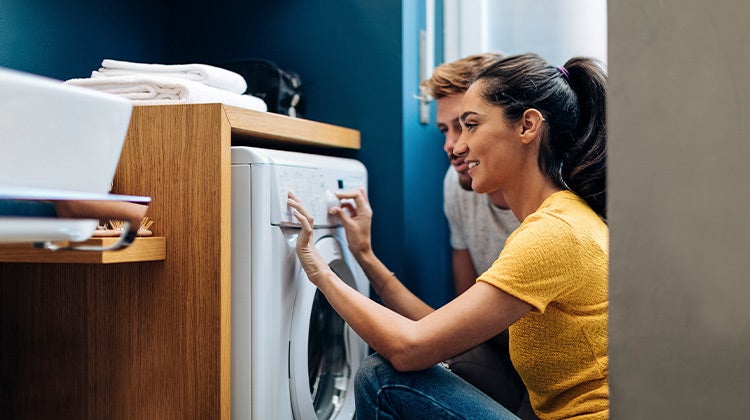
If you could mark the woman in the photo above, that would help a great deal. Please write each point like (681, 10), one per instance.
(537, 133)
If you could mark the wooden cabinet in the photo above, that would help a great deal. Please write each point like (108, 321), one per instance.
(144, 340)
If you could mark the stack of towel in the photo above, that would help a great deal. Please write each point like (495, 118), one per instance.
(160, 84)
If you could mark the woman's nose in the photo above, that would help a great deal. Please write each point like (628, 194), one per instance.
(460, 147)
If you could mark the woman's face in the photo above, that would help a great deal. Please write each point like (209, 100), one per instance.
(489, 143)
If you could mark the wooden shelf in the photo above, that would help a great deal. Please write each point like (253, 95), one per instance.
(269, 126)
(151, 248)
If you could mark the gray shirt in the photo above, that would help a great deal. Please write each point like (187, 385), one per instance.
(475, 223)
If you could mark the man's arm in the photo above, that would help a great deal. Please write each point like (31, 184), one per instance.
(464, 273)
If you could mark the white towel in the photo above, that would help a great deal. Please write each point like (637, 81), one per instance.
(154, 90)
(209, 75)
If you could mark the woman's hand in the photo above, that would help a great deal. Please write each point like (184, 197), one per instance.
(313, 264)
(357, 220)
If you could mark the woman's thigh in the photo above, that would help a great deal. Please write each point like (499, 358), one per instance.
(384, 393)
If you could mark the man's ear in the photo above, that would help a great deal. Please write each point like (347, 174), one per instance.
(530, 125)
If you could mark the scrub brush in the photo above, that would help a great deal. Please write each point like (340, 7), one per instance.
(115, 227)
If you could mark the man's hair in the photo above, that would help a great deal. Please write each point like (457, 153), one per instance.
(456, 76)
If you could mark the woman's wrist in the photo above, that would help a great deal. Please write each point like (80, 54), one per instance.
(376, 271)
(383, 282)
(365, 257)
(322, 277)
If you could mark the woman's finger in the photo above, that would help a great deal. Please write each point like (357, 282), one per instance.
(300, 213)
(345, 217)
(306, 223)
(359, 196)
(296, 204)
(349, 209)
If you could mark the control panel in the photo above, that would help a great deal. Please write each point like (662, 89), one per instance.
(316, 189)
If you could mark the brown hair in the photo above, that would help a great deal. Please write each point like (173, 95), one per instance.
(572, 99)
(456, 76)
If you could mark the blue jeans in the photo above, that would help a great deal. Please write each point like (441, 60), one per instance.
(382, 392)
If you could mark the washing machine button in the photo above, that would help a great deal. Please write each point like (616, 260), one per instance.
(331, 200)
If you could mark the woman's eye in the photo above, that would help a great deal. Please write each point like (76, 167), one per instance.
(469, 126)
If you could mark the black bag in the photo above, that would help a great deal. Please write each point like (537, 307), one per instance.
(281, 90)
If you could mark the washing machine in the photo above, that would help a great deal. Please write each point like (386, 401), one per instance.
(293, 357)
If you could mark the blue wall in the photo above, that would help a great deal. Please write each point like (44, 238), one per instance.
(69, 39)
(358, 63)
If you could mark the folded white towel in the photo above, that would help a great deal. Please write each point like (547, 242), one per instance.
(210, 75)
(154, 90)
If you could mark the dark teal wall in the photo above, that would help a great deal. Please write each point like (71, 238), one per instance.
(69, 39)
(358, 63)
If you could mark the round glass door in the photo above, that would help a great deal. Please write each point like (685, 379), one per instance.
(324, 351)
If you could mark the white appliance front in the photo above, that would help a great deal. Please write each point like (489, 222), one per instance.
(292, 356)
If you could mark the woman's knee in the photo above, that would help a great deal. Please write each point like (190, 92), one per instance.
(368, 371)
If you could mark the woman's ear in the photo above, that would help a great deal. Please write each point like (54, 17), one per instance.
(531, 125)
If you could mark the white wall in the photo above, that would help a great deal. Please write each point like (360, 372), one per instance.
(555, 29)
(679, 144)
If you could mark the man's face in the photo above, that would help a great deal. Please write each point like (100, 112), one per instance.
(448, 112)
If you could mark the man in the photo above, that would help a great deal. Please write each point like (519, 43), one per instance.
(479, 225)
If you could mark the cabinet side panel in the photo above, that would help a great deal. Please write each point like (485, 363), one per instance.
(134, 340)
(179, 155)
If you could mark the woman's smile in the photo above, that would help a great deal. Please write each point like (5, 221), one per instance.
(472, 164)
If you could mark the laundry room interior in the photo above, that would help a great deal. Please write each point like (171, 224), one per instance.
(172, 326)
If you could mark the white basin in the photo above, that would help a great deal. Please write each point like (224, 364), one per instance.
(56, 137)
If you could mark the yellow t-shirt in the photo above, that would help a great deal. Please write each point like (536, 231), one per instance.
(558, 262)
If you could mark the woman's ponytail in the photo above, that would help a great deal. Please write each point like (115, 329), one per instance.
(584, 165)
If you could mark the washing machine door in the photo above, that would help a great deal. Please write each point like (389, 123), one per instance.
(324, 352)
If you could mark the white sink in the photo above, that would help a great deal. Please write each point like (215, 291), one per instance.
(56, 138)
